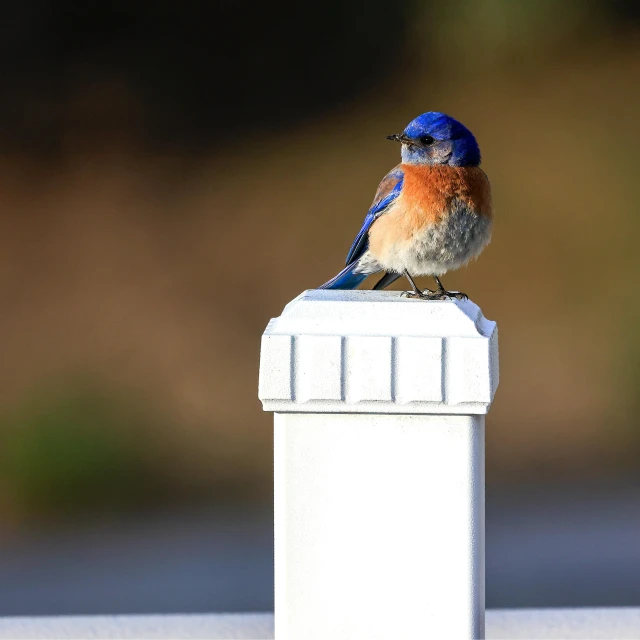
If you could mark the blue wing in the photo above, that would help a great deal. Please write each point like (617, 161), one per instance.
(388, 190)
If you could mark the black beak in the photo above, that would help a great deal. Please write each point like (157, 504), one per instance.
(400, 137)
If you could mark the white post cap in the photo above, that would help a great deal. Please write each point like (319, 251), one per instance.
(358, 351)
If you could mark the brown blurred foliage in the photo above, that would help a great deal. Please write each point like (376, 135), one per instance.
(146, 273)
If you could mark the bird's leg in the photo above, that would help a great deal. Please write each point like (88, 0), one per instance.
(443, 294)
(416, 293)
(440, 294)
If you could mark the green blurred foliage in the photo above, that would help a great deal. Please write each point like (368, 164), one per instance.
(73, 451)
(501, 28)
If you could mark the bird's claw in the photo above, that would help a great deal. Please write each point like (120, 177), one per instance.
(458, 295)
(427, 294)
(422, 295)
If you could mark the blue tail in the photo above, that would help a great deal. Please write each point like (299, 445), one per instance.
(346, 279)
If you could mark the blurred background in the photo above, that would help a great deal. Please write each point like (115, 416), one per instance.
(172, 174)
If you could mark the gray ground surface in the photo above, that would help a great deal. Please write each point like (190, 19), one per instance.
(501, 624)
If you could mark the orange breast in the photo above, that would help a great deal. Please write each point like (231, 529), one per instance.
(427, 192)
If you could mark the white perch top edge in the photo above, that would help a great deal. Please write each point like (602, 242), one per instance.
(378, 352)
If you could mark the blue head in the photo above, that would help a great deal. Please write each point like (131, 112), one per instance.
(436, 138)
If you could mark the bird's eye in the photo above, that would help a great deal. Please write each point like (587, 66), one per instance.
(427, 140)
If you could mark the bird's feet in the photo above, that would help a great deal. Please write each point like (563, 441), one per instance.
(420, 295)
(440, 294)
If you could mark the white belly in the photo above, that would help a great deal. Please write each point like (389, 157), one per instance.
(435, 249)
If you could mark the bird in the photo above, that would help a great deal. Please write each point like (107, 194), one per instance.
(432, 213)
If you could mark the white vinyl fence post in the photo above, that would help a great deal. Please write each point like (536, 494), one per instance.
(379, 406)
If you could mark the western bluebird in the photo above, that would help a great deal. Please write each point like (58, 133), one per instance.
(431, 213)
